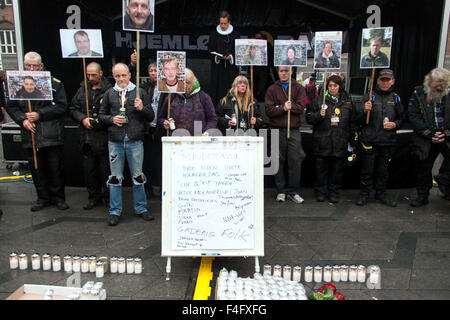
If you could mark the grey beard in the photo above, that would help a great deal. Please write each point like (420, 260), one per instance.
(434, 96)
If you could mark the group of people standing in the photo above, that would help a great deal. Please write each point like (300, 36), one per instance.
(121, 125)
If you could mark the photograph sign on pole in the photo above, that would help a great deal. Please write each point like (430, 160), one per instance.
(376, 44)
(138, 15)
(29, 85)
(81, 43)
(328, 50)
(290, 53)
(251, 52)
(171, 67)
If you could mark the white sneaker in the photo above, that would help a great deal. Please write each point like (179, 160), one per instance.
(296, 198)
(281, 197)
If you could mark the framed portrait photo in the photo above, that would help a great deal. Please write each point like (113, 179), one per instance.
(376, 44)
(81, 43)
(171, 75)
(138, 15)
(29, 85)
(251, 52)
(290, 53)
(328, 50)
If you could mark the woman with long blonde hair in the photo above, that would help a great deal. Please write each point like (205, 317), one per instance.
(234, 110)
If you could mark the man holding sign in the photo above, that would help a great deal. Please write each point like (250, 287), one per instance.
(45, 122)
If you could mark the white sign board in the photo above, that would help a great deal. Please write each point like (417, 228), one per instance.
(213, 196)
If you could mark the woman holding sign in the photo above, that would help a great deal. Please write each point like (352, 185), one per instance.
(333, 124)
(234, 109)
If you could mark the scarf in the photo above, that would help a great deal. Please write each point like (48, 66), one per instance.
(123, 92)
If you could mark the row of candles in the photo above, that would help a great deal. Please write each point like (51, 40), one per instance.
(84, 264)
(327, 273)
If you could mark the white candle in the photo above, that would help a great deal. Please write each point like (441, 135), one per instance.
(317, 274)
(267, 269)
(336, 273)
(344, 273)
(23, 261)
(46, 262)
(13, 260)
(361, 273)
(352, 276)
(113, 264)
(35, 261)
(56, 263)
(297, 274)
(84, 264)
(137, 265)
(277, 270)
(76, 264)
(130, 265)
(375, 274)
(308, 274)
(121, 265)
(92, 263)
(327, 273)
(99, 272)
(287, 272)
(67, 263)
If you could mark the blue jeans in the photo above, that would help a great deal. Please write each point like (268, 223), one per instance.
(134, 153)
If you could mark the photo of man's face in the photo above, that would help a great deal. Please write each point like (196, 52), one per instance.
(83, 44)
(291, 54)
(29, 85)
(139, 11)
(375, 46)
(170, 71)
(252, 51)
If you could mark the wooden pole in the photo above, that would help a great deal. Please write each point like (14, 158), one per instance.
(324, 86)
(138, 41)
(86, 88)
(251, 88)
(32, 140)
(289, 111)
(370, 95)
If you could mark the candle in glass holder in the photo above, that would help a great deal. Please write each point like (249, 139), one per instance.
(13, 260)
(76, 263)
(113, 263)
(344, 273)
(23, 261)
(137, 265)
(267, 269)
(361, 274)
(121, 265)
(130, 265)
(374, 274)
(46, 262)
(67, 263)
(99, 272)
(56, 261)
(327, 273)
(308, 274)
(277, 270)
(84, 264)
(297, 274)
(92, 264)
(287, 272)
(336, 273)
(353, 273)
(318, 274)
(35, 261)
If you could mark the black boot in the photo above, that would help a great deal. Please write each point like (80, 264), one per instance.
(421, 200)
(384, 200)
(362, 200)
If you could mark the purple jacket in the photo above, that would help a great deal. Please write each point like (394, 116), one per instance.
(187, 110)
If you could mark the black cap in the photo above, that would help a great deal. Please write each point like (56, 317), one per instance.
(386, 73)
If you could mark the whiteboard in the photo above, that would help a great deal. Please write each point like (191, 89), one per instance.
(213, 196)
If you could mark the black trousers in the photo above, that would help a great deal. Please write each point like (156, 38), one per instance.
(374, 169)
(152, 165)
(329, 173)
(48, 177)
(424, 180)
(96, 173)
(291, 155)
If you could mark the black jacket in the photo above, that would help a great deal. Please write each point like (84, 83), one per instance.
(421, 116)
(97, 137)
(231, 107)
(137, 120)
(331, 140)
(50, 126)
(384, 104)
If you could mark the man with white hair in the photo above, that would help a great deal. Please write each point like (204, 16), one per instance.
(127, 117)
(46, 122)
(138, 15)
(429, 114)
